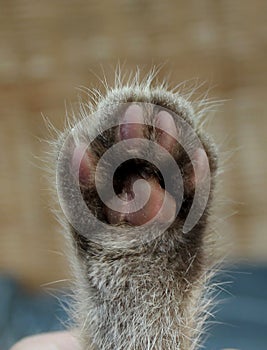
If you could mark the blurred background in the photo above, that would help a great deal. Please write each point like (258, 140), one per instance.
(47, 50)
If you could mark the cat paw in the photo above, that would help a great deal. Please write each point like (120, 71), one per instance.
(143, 167)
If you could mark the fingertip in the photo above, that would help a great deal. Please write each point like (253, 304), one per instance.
(48, 341)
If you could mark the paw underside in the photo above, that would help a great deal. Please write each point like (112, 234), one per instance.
(145, 169)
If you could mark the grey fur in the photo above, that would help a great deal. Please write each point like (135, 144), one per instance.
(155, 295)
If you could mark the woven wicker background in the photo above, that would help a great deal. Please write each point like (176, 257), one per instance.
(48, 48)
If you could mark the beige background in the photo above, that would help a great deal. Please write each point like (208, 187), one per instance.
(48, 48)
